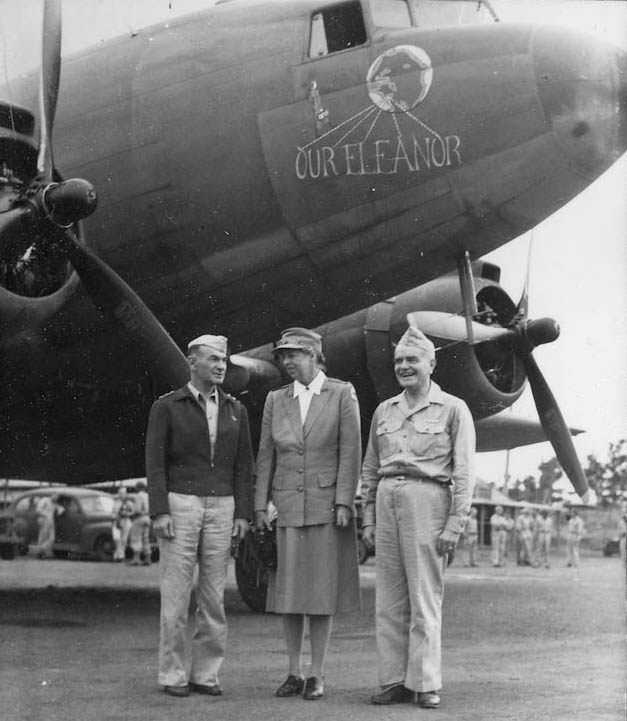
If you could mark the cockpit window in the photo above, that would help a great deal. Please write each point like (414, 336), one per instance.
(431, 13)
(337, 28)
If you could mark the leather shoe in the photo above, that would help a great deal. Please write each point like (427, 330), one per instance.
(292, 686)
(178, 691)
(314, 688)
(394, 694)
(428, 699)
(205, 689)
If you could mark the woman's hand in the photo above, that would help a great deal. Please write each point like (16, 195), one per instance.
(261, 520)
(343, 516)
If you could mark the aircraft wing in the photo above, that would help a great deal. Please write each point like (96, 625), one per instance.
(504, 431)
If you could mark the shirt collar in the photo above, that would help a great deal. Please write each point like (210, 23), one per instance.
(435, 395)
(315, 386)
(195, 392)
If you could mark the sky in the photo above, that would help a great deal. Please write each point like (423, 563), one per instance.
(579, 255)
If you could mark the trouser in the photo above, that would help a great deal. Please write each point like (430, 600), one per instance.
(409, 590)
(120, 532)
(140, 536)
(544, 548)
(499, 543)
(45, 539)
(470, 549)
(526, 552)
(573, 550)
(202, 528)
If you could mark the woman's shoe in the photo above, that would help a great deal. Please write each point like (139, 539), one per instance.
(292, 686)
(314, 688)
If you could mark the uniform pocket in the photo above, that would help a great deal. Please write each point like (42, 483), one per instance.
(429, 437)
(278, 483)
(325, 481)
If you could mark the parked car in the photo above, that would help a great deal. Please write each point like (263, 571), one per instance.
(82, 529)
(611, 546)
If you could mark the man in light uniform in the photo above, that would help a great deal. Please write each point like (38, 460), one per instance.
(544, 526)
(524, 536)
(575, 532)
(471, 536)
(419, 469)
(498, 533)
(123, 509)
(199, 467)
(140, 528)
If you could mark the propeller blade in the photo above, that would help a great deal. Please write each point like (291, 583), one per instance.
(555, 427)
(522, 309)
(49, 84)
(115, 299)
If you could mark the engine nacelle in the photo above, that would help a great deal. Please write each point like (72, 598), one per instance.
(360, 346)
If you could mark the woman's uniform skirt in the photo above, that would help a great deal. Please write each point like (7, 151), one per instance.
(317, 571)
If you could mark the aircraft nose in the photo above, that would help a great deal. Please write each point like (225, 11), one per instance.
(582, 84)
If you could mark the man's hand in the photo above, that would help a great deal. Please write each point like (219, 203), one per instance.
(343, 515)
(240, 528)
(163, 526)
(367, 534)
(261, 520)
(446, 542)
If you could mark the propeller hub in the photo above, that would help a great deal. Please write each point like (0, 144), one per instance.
(70, 201)
(541, 331)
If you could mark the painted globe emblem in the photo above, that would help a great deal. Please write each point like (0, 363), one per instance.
(400, 78)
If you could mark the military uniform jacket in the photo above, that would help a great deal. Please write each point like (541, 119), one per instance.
(307, 469)
(178, 451)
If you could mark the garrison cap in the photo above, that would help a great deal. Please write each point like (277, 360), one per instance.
(414, 338)
(217, 342)
(299, 339)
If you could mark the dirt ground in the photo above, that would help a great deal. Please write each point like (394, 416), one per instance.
(78, 642)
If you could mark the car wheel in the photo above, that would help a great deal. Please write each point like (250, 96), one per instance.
(362, 551)
(104, 547)
(7, 552)
(21, 544)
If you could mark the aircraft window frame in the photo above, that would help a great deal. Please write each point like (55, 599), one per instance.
(327, 9)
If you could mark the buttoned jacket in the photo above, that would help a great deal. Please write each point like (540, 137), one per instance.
(306, 470)
(179, 457)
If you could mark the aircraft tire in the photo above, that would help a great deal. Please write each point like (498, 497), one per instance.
(362, 552)
(252, 583)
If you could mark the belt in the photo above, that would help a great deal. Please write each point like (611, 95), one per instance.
(416, 479)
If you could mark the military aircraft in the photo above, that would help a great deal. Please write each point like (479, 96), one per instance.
(339, 164)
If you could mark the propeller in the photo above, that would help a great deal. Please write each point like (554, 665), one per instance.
(51, 209)
(521, 338)
(49, 84)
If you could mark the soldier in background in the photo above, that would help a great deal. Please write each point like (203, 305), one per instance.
(471, 538)
(123, 510)
(575, 533)
(544, 531)
(524, 536)
(140, 529)
(498, 526)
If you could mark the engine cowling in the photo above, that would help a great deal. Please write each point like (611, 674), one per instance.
(486, 374)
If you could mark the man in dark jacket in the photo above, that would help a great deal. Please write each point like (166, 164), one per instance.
(199, 467)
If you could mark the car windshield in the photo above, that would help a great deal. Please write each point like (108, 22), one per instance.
(94, 505)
